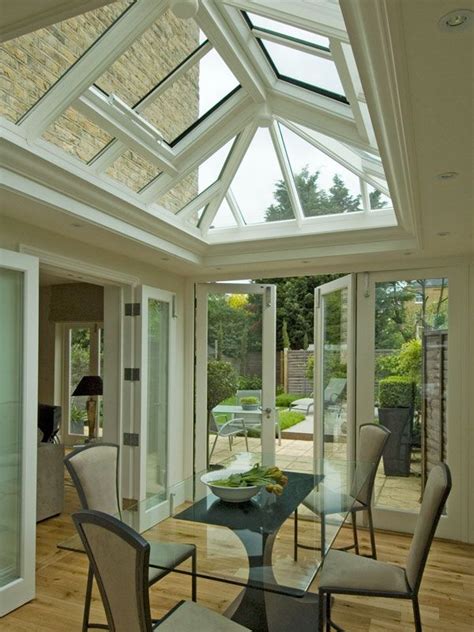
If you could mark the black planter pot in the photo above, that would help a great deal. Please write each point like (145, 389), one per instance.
(397, 453)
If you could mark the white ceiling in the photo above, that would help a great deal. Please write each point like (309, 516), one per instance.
(434, 81)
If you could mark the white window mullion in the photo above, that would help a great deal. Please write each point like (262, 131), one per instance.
(235, 208)
(200, 200)
(291, 43)
(285, 166)
(91, 65)
(365, 195)
(233, 162)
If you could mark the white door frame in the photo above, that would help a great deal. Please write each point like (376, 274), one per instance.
(22, 590)
(268, 293)
(455, 524)
(348, 282)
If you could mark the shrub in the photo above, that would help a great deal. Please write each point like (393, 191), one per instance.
(396, 391)
(249, 400)
(250, 383)
(410, 359)
(285, 399)
(222, 382)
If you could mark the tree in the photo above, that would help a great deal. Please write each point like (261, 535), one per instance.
(314, 200)
(376, 199)
(295, 305)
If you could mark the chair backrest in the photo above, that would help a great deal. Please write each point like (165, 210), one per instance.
(372, 441)
(435, 495)
(213, 426)
(94, 472)
(119, 558)
(334, 389)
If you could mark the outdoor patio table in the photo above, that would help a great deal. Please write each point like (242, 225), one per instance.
(250, 544)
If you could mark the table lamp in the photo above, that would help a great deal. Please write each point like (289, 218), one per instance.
(90, 385)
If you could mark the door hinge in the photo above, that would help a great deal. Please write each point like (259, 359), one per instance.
(131, 438)
(173, 306)
(131, 375)
(132, 309)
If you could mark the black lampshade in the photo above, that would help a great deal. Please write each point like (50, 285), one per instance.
(89, 385)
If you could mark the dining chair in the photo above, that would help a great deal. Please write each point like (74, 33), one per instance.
(227, 429)
(120, 560)
(94, 472)
(347, 574)
(372, 441)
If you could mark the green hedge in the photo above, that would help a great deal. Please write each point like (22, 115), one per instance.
(396, 391)
(285, 399)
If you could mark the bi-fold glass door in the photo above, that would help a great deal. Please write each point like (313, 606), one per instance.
(235, 372)
(18, 415)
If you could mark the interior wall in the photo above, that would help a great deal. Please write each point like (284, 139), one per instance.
(46, 350)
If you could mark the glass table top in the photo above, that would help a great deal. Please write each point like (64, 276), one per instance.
(250, 543)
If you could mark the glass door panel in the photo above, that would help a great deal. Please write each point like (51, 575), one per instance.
(334, 374)
(157, 405)
(235, 378)
(18, 410)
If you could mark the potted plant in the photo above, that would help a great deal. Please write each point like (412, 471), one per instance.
(396, 400)
(249, 403)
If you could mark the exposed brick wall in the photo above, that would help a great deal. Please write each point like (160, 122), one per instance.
(434, 438)
(32, 63)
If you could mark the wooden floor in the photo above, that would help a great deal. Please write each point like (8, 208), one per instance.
(446, 597)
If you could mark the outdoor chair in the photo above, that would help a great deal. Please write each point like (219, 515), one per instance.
(227, 429)
(347, 574)
(94, 472)
(332, 397)
(372, 441)
(120, 560)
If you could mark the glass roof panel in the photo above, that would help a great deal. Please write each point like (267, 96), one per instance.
(76, 135)
(324, 186)
(150, 58)
(224, 217)
(197, 181)
(303, 67)
(377, 199)
(287, 29)
(258, 186)
(201, 87)
(53, 50)
(133, 170)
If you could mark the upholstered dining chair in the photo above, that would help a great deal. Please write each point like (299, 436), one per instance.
(120, 558)
(347, 574)
(371, 444)
(94, 472)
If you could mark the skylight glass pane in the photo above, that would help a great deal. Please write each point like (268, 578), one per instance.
(258, 185)
(42, 57)
(324, 186)
(132, 170)
(310, 69)
(197, 181)
(76, 135)
(201, 87)
(150, 58)
(287, 29)
(224, 217)
(181, 194)
(377, 199)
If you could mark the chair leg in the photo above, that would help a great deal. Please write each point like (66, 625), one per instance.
(354, 531)
(213, 446)
(230, 443)
(321, 598)
(246, 441)
(372, 533)
(328, 612)
(416, 614)
(88, 599)
(193, 577)
(279, 433)
(295, 537)
(323, 536)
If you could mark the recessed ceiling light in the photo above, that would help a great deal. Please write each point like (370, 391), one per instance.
(447, 175)
(455, 21)
(443, 233)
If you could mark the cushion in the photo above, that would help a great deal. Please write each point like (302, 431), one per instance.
(353, 573)
(326, 501)
(190, 616)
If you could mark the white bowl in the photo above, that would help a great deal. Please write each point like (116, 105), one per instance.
(229, 494)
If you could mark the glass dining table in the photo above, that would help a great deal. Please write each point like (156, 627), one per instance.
(251, 544)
